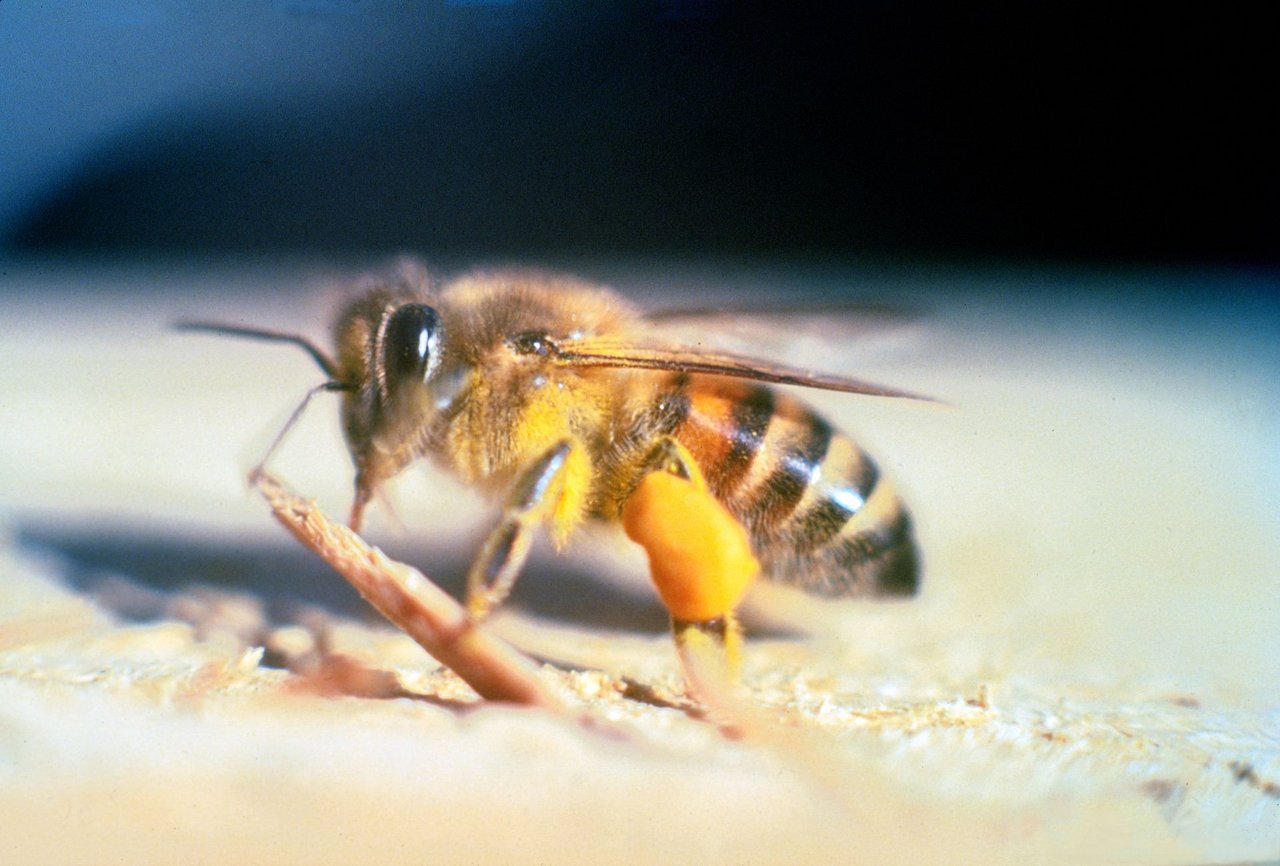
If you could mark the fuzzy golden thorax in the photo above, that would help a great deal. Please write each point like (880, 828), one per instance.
(456, 375)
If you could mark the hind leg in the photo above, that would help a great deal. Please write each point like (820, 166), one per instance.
(700, 557)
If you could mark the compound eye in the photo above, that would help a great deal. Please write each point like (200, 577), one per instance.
(409, 345)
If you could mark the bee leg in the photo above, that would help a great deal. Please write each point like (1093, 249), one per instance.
(533, 499)
(700, 557)
(710, 646)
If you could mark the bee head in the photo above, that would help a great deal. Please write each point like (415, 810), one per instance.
(387, 366)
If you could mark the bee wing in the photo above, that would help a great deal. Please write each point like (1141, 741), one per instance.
(867, 315)
(683, 359)
(795, 329)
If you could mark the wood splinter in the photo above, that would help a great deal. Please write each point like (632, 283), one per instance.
(414, 604)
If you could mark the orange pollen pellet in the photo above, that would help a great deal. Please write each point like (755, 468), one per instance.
(699, 555)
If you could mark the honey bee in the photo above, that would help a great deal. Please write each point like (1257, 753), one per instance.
(557, 397)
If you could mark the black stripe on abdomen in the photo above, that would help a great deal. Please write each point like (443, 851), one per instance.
(880, 560)
(840, 501)
(749, 422)
(776, 497)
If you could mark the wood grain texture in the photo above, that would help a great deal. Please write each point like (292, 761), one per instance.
(1090, 673)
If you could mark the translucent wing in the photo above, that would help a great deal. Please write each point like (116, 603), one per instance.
(795, 330)
(612, 353)
(860, 315)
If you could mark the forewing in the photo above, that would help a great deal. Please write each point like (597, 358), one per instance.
(793, 330)
(683, 359)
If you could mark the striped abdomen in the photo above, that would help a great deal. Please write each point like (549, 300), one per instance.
(819, 514)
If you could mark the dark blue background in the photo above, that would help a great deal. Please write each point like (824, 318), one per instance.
(465, 130)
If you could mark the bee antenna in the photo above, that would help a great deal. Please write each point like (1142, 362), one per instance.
(317, 354)
(257, 472)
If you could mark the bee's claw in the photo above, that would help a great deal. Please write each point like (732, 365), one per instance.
(710, 648)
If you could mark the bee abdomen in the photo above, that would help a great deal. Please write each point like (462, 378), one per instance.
(832, 550)
(819, 513)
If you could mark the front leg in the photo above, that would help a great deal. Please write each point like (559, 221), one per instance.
(700, 557)
(544, 492)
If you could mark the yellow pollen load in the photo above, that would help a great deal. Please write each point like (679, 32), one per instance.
(699, 555)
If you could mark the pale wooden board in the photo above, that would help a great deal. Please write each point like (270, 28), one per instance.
(1092, 671)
